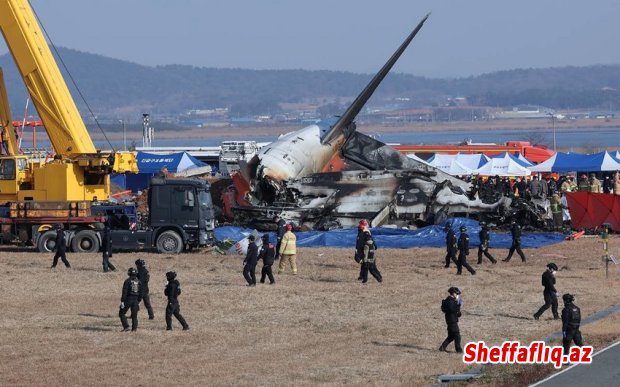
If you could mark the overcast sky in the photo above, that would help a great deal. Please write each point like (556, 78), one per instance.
(461, 38)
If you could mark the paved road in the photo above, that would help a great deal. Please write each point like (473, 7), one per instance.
(604, 371)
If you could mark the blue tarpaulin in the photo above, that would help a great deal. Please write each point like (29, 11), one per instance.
(431, 236)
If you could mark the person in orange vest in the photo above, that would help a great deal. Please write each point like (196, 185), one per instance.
(288, 250)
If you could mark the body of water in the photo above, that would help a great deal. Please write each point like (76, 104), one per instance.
(572, 138)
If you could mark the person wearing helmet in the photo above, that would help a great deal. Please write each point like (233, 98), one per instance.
(583, 185)
(368, 256)
(288, 250)
(130, 299)
(485, 239)
(280, 231)
(463, 245)
(595, 184)
(515, 231)
(267, 253)
(106, 246)
(249, 263)
(145, 277)
(571, 319)
(451, 307)
(173, 291)
(60, 248)
(451, 245)
(549, 293)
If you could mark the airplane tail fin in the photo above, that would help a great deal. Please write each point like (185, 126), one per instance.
(345, 122)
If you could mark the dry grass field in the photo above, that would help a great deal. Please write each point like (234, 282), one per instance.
(60, 327)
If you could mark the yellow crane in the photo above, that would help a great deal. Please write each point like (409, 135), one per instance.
(79, 171)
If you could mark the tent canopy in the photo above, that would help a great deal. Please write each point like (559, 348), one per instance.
(458, 164)
(519, 159)
(503, 165)
(572, 162)
(175, 162)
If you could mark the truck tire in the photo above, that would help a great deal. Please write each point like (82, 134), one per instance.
(85, 241)
(47, 242)
(169, 242)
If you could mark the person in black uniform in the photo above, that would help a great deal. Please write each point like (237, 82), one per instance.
(61, 247)
(369, 256)
(130, 299)
(267, 253)
(359, 246)
(483, 248)
(515, 230)
(106, 241)
(144, 277)
(451, 307)
(571, 319)
(450, 245)
(549, 293)
(463, 245)
(251, 258)
(172, 291)
(280, 231)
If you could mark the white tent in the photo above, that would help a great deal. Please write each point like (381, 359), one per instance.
(472, 161)
(503, 166)
(449, 164)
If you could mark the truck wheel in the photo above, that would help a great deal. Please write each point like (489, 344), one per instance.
(47, 242)
(85, 241)
(169, 242)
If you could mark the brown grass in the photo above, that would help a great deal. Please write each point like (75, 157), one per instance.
(321, 327)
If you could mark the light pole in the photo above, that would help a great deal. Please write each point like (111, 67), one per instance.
(124, 134)
(553, 126)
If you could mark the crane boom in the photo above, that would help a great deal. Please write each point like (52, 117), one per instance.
(43, 80)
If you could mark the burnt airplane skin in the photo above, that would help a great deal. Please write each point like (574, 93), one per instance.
(298, 177)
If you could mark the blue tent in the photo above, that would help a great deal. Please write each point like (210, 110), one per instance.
(576, 162)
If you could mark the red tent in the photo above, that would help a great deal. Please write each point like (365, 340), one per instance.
(591, 210)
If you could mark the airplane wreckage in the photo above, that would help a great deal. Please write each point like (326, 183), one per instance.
(328, 176)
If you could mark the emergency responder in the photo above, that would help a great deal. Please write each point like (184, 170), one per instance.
(595, 184)
(485, 239)
(61, 246)
(144, 277)
(515, 231)
(556, 211)
(288, 250)
(583, 185)
(359, 245)
(451, 246)
(280, 231)
(106, 242)
(130, 299)
(451, 307)
(463, 245)
(552, 185)
(249, 263)
(369, 257)
(172, 291)
(549, 293)
(571, 319)
(267, 253)
(572, 184)
(617, 183)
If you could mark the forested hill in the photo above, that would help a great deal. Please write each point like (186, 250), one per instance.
(111, 85)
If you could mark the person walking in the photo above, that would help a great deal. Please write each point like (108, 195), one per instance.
(515, 231)
(280, 231)
(451, 307)
(249, 263)
(173, 291)
(267, 253)
(288, 250)
(451, 245)
(369, 256)
(130, 299)
(60, 248)
(106, 242)
(359, 245)
(571, 320)
(549, 292)
(463, 245)
(145, 277)
(485, 239)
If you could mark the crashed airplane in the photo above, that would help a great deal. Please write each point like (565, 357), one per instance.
(328, 175)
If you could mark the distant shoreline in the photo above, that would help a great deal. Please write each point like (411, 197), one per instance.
(237, 132)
